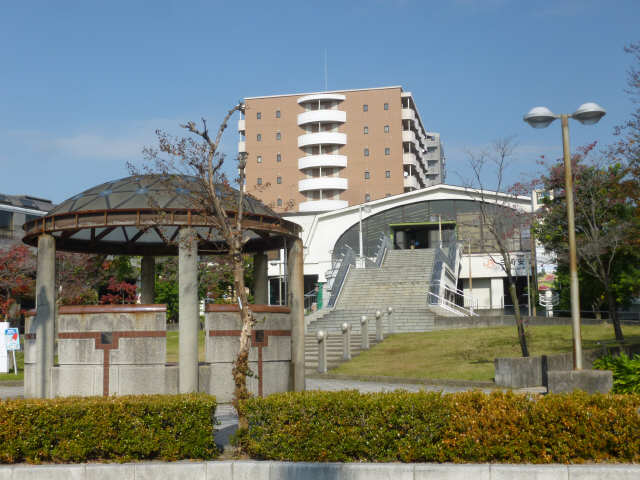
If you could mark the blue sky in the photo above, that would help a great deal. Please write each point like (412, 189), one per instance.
(85, 84)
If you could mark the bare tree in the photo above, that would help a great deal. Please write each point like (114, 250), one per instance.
(499, 216)
(198, 156)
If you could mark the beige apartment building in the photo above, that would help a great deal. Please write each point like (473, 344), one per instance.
(329, 150)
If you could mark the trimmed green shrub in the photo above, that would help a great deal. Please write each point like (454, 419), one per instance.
(121, 429)
(626, 371)
(430, 427)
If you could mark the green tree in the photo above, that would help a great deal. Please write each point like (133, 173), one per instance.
(605, 224)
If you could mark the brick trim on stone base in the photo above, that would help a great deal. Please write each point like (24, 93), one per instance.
(107, 341)
(255, 342)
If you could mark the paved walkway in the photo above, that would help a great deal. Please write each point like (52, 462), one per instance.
(11, 391)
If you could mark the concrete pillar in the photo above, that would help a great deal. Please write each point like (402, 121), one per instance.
(295, 272)
(392, 320)
(45, 315)
(322, 351)
(148, 280)
(379, 327)
(260, 279)
(364, 333)
(346, 341)
(188, 311)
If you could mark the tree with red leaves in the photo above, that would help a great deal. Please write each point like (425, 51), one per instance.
(605, 224)
(17, 276)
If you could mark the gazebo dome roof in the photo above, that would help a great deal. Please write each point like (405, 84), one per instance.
(141, 215)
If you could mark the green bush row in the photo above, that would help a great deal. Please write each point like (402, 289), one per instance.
(430, 427)
(626, 371)
(167, 427)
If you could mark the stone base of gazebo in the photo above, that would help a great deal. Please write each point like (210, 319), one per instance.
(121, 350)
(269, 357)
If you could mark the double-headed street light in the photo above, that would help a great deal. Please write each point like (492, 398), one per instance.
(541, 117)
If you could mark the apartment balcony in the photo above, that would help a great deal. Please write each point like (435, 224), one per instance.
(322, 116)
(241, 125)
(314, 161)
(409, 159)
(321, 96)
(322, 138)
(242, 146)
(322, 183)
(411, 182)
(322, 205)
(409, 136)
(408, 114)
(432, 143)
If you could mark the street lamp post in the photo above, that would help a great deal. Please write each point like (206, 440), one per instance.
(541, 117)
(365, 209)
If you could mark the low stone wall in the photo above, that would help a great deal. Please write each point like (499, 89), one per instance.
(522, 372)
(269, 357)
(106, 350)
(256, 470)
(484, 321)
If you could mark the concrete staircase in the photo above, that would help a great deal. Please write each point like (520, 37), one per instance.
(334, 350)
(402, 283)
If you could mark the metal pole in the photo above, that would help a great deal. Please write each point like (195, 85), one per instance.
(470, 281)
(440, 229)
(360, 231)
(534, 261)
(573, 262)
(529, 288)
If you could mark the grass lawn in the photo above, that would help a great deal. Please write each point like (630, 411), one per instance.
(172, 346)
(6, 377)
(468, 354)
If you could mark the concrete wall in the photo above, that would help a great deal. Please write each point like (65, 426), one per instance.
(520, 372)
(106, 350)
(269, 357)
(256, 470)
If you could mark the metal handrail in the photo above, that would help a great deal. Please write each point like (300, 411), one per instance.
(449, 305)
(383, 246)
(347, 259)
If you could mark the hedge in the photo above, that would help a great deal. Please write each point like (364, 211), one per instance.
(430, 427)
(167, 427)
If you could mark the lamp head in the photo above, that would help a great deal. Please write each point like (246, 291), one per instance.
(345, 327)
(320, 335)
(539, 117)
(589, 113)
(363, 319)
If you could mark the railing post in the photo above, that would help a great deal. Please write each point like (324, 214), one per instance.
(392, 320)
(364, 333)
(346, 341)
(379, 328)
(322, 351)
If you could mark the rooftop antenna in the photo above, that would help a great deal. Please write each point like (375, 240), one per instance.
(325, 70)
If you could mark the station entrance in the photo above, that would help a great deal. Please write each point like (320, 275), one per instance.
(418, 235)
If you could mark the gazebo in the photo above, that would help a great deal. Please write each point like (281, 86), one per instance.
(149, 216)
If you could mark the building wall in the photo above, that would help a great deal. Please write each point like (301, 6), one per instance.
(377, 163)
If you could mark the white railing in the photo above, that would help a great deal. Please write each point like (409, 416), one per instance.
(437, 300)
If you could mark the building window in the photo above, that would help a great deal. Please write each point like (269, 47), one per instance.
(259, 159)
(277, 113)
(278, 180)
(278, 157)
(366, 152)
(387, 173)
(279, 202)
(366, 130)
(366, 175)
(386, 129)
(386, 106)
(258, 115)
(259, 181)
(367, 197)
(365, 108)
(259, 137)
(387, 151)
(278, 136)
